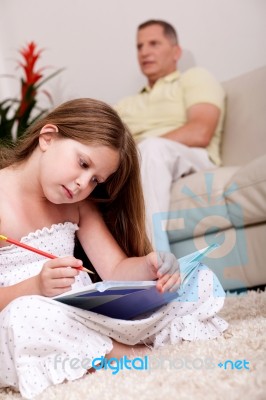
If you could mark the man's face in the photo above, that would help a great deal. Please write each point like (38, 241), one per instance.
(157, 55)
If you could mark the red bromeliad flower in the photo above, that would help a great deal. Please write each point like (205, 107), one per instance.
(31, 55)
(16, 114)
(28, 89)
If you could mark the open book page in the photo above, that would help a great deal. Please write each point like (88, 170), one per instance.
(130, 299)
(187, 265)
(108, 285)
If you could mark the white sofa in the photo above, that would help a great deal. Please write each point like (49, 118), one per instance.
(228, 205)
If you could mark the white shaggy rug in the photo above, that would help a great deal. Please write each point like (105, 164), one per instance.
(188, 371)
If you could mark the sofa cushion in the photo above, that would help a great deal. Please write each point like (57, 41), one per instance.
(247, 201)
(244, 136)
(198, 204)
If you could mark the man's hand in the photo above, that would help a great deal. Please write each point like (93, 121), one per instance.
(202, 120)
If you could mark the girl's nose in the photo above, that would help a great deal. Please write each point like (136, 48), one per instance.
(83, 181)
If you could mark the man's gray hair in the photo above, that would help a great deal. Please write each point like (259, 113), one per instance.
(168, 29)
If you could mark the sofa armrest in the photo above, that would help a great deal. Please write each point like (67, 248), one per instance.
(245, 194)
(244, 136)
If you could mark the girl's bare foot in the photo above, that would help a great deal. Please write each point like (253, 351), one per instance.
(120, 350)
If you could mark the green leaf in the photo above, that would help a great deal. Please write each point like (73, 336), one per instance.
(18, 111)
(49, 77)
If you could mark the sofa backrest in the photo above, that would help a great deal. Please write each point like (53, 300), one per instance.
(244, 136)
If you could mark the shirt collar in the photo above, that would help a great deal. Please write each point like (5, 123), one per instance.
(168, 78)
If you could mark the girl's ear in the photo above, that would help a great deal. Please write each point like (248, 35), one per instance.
(47, 134)
(49, 128)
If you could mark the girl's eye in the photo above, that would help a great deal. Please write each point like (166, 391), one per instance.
(83, 164)
(95, 180)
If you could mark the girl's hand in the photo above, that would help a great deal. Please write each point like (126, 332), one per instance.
(57, 276)
(166, 268)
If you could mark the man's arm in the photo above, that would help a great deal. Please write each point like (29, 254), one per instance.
(202, 120)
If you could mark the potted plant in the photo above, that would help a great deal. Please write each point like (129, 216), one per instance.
(17, 114)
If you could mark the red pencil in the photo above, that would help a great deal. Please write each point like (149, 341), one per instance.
(34, 250)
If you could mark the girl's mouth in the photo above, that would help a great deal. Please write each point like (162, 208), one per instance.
(68, 192)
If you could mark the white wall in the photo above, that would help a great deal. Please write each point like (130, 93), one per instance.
(95, 40)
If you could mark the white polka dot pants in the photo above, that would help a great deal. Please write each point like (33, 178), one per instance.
(44, 342)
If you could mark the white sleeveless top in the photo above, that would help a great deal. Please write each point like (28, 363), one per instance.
(18, 264)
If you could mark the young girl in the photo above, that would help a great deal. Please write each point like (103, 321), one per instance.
(76, 173)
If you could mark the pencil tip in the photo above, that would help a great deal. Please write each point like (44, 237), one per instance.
(3, 237)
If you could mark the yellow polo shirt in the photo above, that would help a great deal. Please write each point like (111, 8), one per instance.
(162, 108)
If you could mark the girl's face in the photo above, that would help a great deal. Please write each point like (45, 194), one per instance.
(70, 170)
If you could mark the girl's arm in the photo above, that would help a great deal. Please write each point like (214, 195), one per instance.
(55, 278)
(160, 265)
(112, 263)
(104, 252)
(9, 293)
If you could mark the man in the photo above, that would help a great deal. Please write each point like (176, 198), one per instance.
(176, 119)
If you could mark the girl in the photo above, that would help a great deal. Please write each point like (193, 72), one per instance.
(76, 173)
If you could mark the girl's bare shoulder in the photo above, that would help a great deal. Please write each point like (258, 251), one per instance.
(88, 209)
(4, 186)
(3, 195)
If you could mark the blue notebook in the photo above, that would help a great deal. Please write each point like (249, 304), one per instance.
(130, 299)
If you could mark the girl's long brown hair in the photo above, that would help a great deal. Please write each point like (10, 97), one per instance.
(120, 199)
